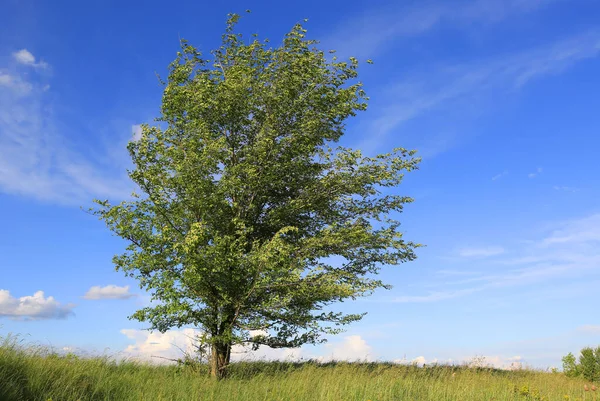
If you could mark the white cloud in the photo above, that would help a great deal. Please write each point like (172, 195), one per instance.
(569, 249)
(373, 32)
(38, 161)
(108, 292)
(434, 296)
(496, 361)
(155, 346)
(162, 347)
(24, 56)
(35, 307)
(171, 345)
(352, 348)
(566, 189)
(500, 175)
(411, 97)
(136, 131)
(420, 360)
(19, 87)
(576, 232)
(481, 252)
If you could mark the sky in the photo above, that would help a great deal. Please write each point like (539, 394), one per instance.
(499, 97)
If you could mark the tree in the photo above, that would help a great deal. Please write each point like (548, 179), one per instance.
(588, 366)
(589, 362)
(570, 367)
(248, 224)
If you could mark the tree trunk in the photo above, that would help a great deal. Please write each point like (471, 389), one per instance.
(220, 356)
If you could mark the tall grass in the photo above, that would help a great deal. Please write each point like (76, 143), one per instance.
(36, 374)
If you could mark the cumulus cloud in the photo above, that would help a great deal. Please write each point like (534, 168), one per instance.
(351, 348)
(163, 347)
(24, 56)
(108, 292)
(156, 346)
(34, 307)
(420, 360)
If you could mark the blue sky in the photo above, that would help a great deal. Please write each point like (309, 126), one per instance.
(498, 96)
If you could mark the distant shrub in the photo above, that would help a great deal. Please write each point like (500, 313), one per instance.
(570, 367)
(588, 365)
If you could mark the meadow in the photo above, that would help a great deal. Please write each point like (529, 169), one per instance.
(36, 373)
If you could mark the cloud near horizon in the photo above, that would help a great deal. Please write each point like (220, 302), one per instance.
(165, 347)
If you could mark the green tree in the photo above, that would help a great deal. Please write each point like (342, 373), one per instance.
(247, 219)
(570, 367)
(589, 363)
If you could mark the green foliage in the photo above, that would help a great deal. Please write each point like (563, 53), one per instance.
(247, 219)
(570, 367)
(588, 365)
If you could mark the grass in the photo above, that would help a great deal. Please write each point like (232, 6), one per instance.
(34, 373)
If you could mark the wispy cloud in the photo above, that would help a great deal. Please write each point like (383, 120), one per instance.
(537, 172)
(590, 328)
(500, 175)
(373, 32)
(15, 84)
(421, 94)
(570, 249)
(565, 189)
(580, 232)
(108, 292)
(36, 160)
(33, 307)
(435, 296)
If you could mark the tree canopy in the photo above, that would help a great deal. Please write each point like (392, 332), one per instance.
(248, 218)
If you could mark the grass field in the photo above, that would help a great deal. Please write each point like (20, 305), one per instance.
(37, 374)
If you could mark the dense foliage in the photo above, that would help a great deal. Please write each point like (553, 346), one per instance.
(587, 366)
(248, 223)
